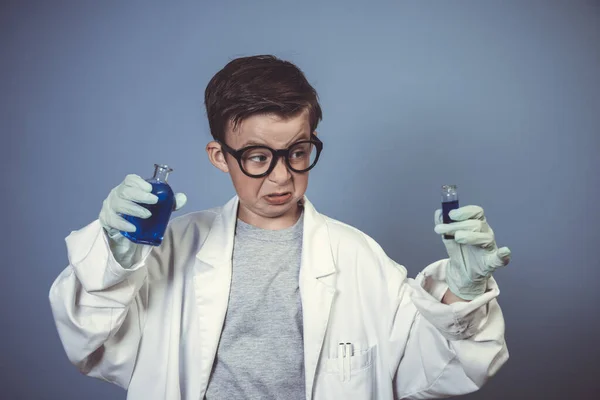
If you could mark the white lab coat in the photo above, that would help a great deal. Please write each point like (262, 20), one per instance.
(154, 329)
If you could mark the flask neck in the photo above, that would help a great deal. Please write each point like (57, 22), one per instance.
(449, 193)
(161, 172)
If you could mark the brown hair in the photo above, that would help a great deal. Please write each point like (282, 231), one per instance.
(259, 84)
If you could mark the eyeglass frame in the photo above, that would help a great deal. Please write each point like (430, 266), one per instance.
(237, 154)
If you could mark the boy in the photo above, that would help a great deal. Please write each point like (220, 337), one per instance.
(265, 298)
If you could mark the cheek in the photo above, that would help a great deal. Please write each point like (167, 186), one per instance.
(247, 188)
(300, 183)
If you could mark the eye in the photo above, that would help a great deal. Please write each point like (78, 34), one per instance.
(258, 158)
(298, 153)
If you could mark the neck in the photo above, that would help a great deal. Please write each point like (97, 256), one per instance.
(276, 223)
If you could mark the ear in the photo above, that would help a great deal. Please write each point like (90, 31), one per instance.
(217, 156)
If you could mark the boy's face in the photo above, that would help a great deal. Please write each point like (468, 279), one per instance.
(258, 206)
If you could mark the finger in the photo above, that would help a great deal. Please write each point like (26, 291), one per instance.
(117, 222)
(437, 217)
(128, 207)
(466, 213)
(133, 180)
(138, 195)
(470, 225)
(504, 253)
(481, 239)
(499, 259)
(180, 200)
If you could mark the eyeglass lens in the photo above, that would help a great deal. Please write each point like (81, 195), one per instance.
(257, 160)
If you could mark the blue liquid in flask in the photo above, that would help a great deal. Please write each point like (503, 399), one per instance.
(449, 202)
(151, 230)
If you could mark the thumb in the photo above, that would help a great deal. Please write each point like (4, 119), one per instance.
(180, 201)
(437, 217)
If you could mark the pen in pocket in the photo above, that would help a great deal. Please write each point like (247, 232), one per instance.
(341, 365)
(344, 360)
(348, 359)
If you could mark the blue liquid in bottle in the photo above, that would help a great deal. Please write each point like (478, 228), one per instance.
(449, 202)
(151, 230)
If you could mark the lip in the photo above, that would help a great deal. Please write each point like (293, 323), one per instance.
(278, 198)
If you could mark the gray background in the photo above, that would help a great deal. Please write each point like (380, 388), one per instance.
(501, 98)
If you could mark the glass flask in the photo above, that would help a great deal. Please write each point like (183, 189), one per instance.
(449, 202)
(151, 230)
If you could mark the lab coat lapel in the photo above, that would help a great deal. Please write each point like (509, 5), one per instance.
(317, 289)
(212, 281)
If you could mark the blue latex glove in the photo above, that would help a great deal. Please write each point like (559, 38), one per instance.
(473, 253)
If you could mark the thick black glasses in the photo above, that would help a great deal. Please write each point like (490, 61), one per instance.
(259, 161)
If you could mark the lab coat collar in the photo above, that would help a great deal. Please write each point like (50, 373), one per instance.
(217, 250)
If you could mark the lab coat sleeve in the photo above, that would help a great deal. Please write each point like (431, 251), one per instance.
(448, 350)
(98, 307)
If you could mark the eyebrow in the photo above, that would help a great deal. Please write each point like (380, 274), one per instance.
(294, 139)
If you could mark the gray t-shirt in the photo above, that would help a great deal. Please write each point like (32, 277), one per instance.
(261, 350)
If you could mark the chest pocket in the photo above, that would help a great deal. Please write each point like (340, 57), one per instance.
(349, 375)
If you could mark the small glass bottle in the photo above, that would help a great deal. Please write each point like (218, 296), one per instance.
(151, 230)
(449, 202)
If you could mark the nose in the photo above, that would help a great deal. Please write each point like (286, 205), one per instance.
(280, 173)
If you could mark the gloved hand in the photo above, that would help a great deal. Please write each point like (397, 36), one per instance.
(122, 199)
(473, 253)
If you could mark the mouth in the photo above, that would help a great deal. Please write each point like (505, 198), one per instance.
(278, 198)
(278, 194)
